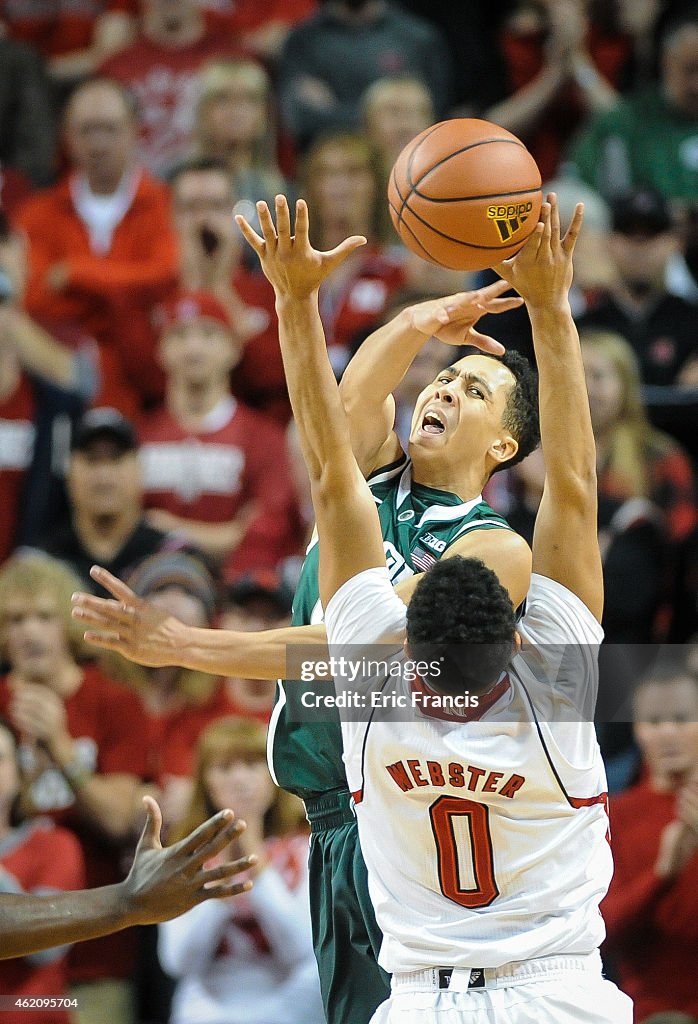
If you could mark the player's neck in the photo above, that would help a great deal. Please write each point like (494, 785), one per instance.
(190, 404)
(466, 483)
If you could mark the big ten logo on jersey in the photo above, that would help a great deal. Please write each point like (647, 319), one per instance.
(430, 541)
(397, 566)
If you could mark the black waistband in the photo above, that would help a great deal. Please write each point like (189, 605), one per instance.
(329, 810)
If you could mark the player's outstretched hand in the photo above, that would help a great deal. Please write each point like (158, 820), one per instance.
(452, 319)
(164, 883)
(290, 263)
(541, 272)
(126, 623)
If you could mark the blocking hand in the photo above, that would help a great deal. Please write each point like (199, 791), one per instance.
(541, 272)
(290, 263)
(452, 319)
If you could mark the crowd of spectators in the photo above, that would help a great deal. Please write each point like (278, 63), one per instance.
(145, 426)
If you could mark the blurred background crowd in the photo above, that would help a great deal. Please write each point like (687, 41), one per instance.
(145, 425)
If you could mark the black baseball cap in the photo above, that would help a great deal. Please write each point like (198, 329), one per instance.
(641, 212)
(104, 422)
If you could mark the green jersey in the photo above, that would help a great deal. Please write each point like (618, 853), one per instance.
(418, 523)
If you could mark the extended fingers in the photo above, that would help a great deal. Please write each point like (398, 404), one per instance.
(112, 583)
(283, 225)
(227, 870)
(209, 838)
(484, 342)
(107, 641)
(491, 291)
(266, 223)
(218, 892)
(340, 252)
(502, 305)
(150, 836)
(572, 233)
(101, 611)
(546, 218)
(554, 220)
(250, 234)
(302, 222)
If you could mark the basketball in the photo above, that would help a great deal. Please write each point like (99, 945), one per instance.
(464, 194)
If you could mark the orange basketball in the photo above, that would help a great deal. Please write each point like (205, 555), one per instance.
(465, 194)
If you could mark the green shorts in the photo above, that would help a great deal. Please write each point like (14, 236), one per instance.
(345, 934)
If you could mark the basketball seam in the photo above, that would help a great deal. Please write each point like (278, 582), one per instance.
(473, 199)
(407, 169)
(416, 238)
(449, 156)
(406, 227)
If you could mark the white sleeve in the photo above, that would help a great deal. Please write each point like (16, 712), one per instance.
(560, 646)
(363, 613)
(366, 610)
(555, 615)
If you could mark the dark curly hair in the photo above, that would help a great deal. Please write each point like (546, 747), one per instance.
(461, 613)
(521, 410)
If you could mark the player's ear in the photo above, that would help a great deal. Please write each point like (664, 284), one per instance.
(504, 449)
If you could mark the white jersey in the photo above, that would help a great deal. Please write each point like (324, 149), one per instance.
(486, 840)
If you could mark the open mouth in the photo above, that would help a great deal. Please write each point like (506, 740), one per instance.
(432, 423)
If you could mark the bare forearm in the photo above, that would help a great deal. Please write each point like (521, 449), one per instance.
(260, 655)
(31, 923)
(565, 420)
(323, 431)
(381, 363)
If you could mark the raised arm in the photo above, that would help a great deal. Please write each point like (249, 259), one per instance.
(347, 521)
(386, 355)
(565, 542)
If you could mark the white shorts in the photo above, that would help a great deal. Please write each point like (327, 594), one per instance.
(548, 994)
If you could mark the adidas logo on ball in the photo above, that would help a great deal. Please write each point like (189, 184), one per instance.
(509, 219)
